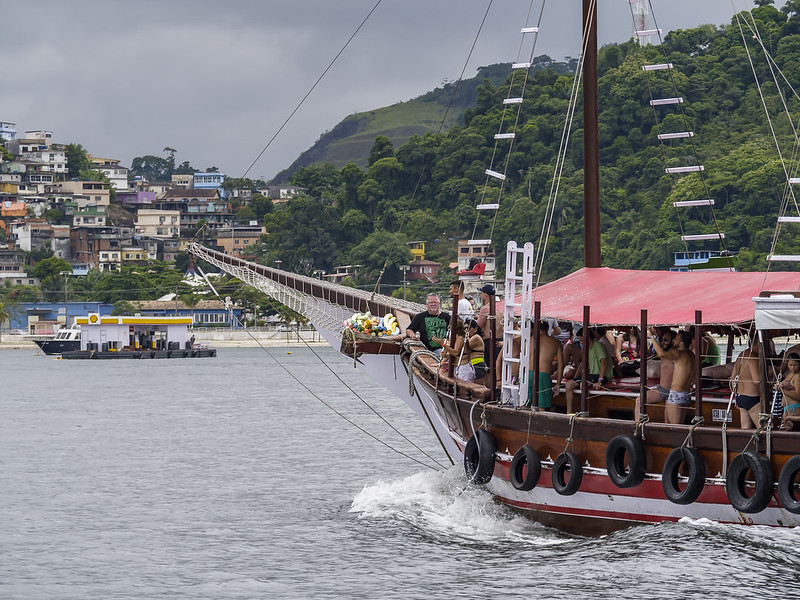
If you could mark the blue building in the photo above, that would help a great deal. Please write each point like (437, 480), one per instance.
(45, 318)
(209, 181)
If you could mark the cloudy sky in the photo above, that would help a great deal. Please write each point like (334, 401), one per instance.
(216, 80)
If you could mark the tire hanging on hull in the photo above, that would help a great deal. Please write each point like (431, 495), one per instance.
(735, 483)
(479, 457)
(618, 447)
(671, 472)
(526, 456)
(567, 461)
(787, 493)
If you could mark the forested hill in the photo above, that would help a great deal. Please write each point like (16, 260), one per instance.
(427, 188)
(351, 140)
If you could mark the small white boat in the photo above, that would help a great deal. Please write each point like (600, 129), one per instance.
(64, 340)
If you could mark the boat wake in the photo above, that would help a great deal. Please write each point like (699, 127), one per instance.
(441, 504)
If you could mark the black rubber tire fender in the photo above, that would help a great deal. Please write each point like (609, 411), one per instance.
(786, 490)
(526, 456)
(479, 457)
(617, 448)
(671, 472)
(567, 461)
(735, 482)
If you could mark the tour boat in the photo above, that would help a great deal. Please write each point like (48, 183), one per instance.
(614, 462)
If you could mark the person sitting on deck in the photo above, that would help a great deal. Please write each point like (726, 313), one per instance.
(682, 375)
(601, 369)
(550, 351)
(429, 324)
(626, 352)
(573, 355)
(745, 381)
(459, 351)
(475, 347)
(790, 386)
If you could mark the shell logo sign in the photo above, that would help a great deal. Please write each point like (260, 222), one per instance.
(94, 318)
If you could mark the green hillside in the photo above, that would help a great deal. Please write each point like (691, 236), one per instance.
(426, 188)
(351, 140)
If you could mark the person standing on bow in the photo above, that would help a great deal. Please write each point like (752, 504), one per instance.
(463, 308)
(485, 322)
(429, 324)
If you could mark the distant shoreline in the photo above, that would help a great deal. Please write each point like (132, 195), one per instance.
(239, 339)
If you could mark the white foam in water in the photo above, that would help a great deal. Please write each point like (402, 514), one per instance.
(438, 504)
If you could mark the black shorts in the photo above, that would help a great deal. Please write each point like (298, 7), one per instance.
(480, 369)
(746, 402)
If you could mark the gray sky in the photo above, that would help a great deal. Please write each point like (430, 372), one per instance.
(215, 80)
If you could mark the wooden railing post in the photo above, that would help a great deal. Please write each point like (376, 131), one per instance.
(537, 334)
(585, 362)
(643, 350)
(698, 363)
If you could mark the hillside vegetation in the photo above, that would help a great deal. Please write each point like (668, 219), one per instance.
(427, 187)
(351, 140)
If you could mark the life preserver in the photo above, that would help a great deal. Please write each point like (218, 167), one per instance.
(479, 457)
(735, 483)
(786, 483)
(567, 461)
(696, 478)
(618, 447)
(525, 456)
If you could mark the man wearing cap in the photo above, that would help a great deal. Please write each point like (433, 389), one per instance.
(429, 324)
(464, 307)
(485, 323)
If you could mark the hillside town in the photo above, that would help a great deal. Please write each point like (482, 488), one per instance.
(114, 221)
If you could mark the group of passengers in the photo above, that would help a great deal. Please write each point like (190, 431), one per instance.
(610, 355)
(471, 345)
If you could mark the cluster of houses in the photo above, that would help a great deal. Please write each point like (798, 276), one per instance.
(167, 213)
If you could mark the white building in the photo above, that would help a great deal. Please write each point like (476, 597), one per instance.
(158, 223)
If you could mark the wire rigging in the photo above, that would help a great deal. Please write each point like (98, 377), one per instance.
(313, 87)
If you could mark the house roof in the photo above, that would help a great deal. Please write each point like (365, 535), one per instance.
(616, 297)
(191, 193)
(170, 304)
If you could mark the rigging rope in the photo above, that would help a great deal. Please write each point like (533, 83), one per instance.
(313, 87)
(328, 405)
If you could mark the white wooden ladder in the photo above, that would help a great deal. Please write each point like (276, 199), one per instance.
(518, 294)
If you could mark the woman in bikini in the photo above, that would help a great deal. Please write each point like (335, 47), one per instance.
(790, 387)
(464, 370)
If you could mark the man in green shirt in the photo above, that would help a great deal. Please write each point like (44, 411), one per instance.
(601, 368)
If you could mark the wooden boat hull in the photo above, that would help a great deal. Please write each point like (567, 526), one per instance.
(599, 506)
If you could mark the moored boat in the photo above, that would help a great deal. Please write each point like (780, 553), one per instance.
(124, 337)
(64, 340)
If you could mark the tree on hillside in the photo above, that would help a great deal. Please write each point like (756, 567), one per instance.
(378, 249)
(382, 148)
(50, 267)
(77, 160)
(151, 168)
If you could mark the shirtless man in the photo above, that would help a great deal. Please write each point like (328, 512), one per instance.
(660, 393)
(550, 351)
(746, 379)
(682, 374)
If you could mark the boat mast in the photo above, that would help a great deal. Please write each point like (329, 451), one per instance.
(591, 145)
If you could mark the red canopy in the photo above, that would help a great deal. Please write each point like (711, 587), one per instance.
(616, 297)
